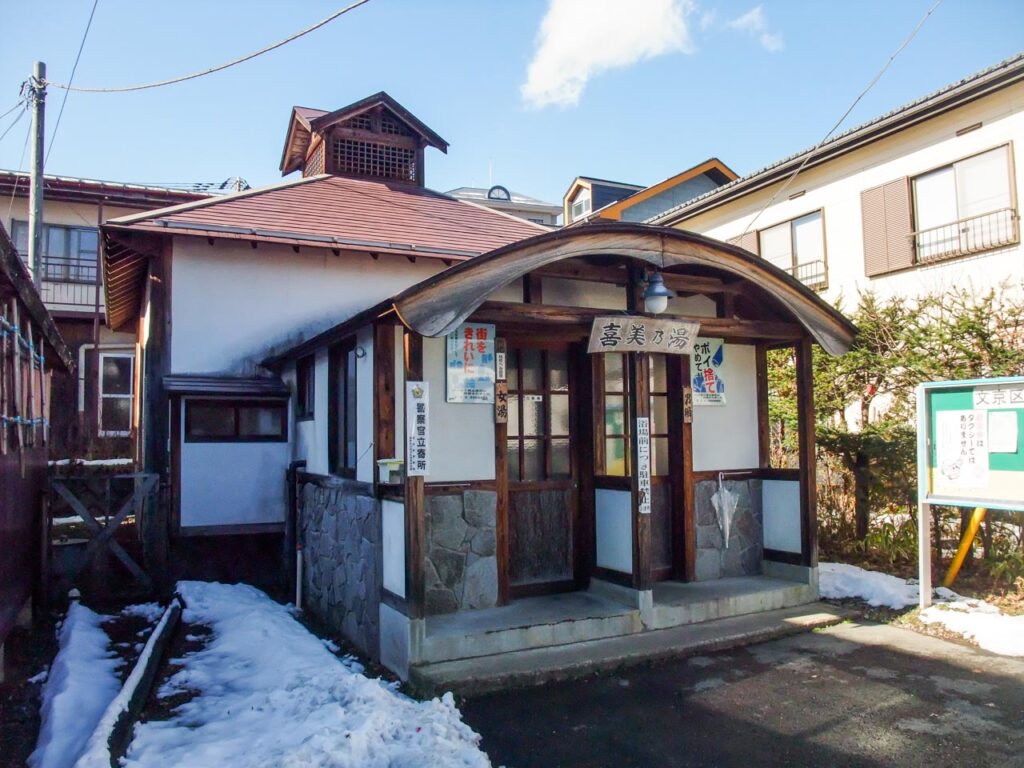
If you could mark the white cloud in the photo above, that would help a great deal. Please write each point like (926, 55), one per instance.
(579, 39)
(755, 23)
(707, 20)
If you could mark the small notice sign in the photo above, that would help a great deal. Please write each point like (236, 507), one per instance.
(643, 464)
(961, 448)
(627, 333)
(708, 360)
(470, 364)
(999, 396)
(501, 402)
(417, 421)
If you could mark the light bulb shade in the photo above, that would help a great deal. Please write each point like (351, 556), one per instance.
(656, 295)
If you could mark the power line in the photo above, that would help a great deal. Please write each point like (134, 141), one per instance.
(13, 123)
(21, 164)
(5, 114)
(211, 70)
(74, 68)
(846, 114)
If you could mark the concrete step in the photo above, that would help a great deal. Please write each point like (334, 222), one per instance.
(535, 666)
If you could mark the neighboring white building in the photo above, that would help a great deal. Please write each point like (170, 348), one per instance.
(514, 203)
(916, 201)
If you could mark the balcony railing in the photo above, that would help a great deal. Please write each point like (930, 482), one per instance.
(811, 273)
(966, 236)
(68, 282)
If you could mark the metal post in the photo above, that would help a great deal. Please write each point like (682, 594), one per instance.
(924, 509)
(37, 94)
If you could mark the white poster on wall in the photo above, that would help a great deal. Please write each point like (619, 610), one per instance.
(417, 428)
(706, 372)
(470, 364)
(961, 448)
(643, 464)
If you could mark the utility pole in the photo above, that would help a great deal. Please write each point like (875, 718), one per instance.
(37, 95)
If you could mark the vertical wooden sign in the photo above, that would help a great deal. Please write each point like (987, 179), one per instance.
(643, 464)
(501, 402)
(417, 428)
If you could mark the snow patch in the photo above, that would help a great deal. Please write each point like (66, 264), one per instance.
(89, 462)
(271, 694)
(39, 677)
(82, 682)
(839, 580)
(151, 612)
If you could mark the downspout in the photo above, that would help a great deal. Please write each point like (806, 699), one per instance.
(292, 541)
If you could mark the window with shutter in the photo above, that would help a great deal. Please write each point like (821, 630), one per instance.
(747, 242)
(887, 229)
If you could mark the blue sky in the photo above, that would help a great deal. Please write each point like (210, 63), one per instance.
(633, 91)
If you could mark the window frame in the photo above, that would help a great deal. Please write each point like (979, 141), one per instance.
(516, 442)
(585, 195)
(65, 264)
(305, 388)
(914, 217)
(339, 358)
(601, 433)
(794, 264)
(130, 397)
(236, 404)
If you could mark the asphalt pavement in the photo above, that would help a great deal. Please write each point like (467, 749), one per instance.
(863, 695)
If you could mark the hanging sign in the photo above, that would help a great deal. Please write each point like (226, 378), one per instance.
(500, 354)
(501, 402)
(970, 449)
(628, 333)
(643, 464)
(687, 405)
(706, 372)
(470, 364)
(417, 428)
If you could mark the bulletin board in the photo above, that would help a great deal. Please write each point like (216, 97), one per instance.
(971, 443)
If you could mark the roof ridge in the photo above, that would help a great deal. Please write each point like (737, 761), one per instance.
(906, 106)
(215, 200)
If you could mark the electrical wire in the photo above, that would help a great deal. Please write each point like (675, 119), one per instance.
(220, 67)
(74, 68)
(13, 123)
(21, 165)
(846, 114)
(5, 114)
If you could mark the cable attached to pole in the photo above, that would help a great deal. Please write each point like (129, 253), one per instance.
(218, 68)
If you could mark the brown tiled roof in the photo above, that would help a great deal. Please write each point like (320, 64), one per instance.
(337, 212)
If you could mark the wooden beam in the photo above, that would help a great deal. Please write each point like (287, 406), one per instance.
(415, 510)
(618, 275)
(729, 328)
(808, 469)
(383, 393)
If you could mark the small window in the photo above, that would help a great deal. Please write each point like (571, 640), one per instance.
(798, 247)
(964, 207)
(580, 205)
(343, 410)
(116, 377)
(235, 421)
(615, 430)
(69, 253)
(305, 388)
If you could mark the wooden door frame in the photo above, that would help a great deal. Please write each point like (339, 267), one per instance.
(581, 532)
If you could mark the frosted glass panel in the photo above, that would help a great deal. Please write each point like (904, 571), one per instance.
(809, 237)
(776, 246)
(935, 198)
(982, 183)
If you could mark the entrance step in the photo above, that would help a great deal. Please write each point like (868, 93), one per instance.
(533, 622)
(534, 666)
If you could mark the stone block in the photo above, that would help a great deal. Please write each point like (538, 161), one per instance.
(709, 537)
(431, 579)
(450, 566)
(481, 586)
(440, 601)
(447, 528)
(484, 543)
(481, 508)
(708, 565)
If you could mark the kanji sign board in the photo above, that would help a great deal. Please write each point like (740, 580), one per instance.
(630, 333)
(970, 451)
(470, 364)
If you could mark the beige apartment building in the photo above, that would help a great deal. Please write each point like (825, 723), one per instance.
(916, 201)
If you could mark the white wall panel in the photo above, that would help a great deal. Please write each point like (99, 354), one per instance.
(725, 437)
(781, 505)
(614, 529)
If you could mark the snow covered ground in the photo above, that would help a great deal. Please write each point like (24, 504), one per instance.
(272, 694)
(976, 620)
(81, 683)
(89, 462)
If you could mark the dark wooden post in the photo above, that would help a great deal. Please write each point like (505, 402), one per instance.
(684, 550)
(764, 451)
(383, 394)
(808, 468)
(415, 513)
(639, 407)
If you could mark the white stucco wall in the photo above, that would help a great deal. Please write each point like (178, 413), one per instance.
(613, 511)
(781, 510)
(582, 293)
(393, 546)
(232, 483)
(836, 187)
(725, 437)
(461, 434)
(232, 305)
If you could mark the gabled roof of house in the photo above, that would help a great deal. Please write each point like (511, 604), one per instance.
(335, 212)
(971, 88)
(75, 189)
(305, 121)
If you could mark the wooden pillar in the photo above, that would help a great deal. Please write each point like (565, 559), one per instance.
(415, 512)
(808, 468)
(684, 532)
(501, 509)
(763, 442)
(383, 393)
(638, 373)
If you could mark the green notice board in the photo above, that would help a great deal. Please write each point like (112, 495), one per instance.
(971, 443)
